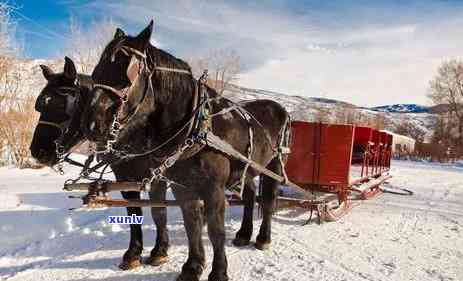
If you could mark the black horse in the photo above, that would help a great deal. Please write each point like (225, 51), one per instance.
(61, 105)
(148, 90)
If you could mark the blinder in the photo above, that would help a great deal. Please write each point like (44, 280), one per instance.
(134, 69)
(68, 107)
(49, 101)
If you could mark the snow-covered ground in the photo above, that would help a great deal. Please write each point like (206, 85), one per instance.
(387, 238)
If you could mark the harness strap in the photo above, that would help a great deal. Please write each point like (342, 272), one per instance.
(73, 162)
(283, 147)
(53, 124)
(69, 88)
(176, 70)
(216, 142)
(250, 151)
(119, 93)
(224, 111)
(126, 50)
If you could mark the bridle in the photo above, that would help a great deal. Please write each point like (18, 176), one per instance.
(138, 65)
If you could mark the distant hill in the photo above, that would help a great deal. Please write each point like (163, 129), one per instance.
(402, 108)
(308, 108)
(440, 108)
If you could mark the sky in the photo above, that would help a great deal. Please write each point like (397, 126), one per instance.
(364, 52)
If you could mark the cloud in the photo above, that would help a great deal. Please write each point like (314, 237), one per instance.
(366, 66)
(369, 53)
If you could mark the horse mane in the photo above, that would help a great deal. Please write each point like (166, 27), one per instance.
(171, 82)
(155, 55)
(85, 87)
(165, 59)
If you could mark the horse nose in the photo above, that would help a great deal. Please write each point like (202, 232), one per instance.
(34, 151)
(43, 155)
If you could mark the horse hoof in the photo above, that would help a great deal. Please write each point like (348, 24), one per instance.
(187, 277)
(240, 242)
(217, 277)
(157, 260)
(262, 245)
(128, 265)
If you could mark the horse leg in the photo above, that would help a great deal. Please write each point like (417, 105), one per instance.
(158, 255)
(215, 211)
(131, 258)
(269, 196)
(193, 222)
(243, 236)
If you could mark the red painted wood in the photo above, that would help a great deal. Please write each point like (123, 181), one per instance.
(320, 153)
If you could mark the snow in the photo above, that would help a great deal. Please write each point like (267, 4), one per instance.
(386, 238)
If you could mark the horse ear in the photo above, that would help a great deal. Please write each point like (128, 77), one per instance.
(70, 69)
(143, 39)
(47, 72)
(119, 33)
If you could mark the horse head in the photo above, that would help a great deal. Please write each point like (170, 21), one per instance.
(130, 91)
(60, 104)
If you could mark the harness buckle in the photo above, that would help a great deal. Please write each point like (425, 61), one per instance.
(189, 142)
(203, 78)
(146, 184)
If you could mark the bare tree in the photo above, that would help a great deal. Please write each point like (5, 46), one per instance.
(86, 45)
(322, 115)
(17, 113)
(223, 66)
(380, 121)
(345, 115)
(17, 126)
(7, 30)
(447, 88)
(7, 39)
(410, 129)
